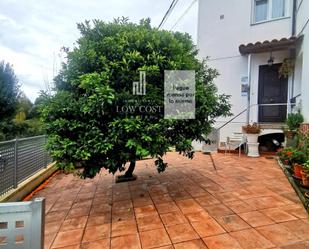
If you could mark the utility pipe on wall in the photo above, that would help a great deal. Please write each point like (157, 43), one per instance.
(249, 88)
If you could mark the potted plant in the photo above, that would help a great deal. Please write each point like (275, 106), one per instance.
(305, 174)
(293, 157)
(293, 122)
(252, 132)
(297, 159)
(285, 155)
(286, 68)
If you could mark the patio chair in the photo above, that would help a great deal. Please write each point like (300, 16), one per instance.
(237, 139)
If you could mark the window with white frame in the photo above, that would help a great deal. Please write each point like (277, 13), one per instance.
(265, 10)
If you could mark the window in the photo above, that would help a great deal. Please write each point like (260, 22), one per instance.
(265, 10)
(261, 10)
(278, 8)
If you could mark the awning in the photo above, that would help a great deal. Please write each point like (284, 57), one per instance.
(267, 46)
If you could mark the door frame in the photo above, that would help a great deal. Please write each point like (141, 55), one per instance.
(282, 109)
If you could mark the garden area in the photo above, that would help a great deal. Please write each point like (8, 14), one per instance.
(294, 158)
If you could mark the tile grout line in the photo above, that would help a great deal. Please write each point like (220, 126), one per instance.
(64, 219)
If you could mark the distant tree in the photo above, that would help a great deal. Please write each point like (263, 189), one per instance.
(82, 121)
(9, 91)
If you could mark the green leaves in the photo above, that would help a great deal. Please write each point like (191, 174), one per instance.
(94, 119)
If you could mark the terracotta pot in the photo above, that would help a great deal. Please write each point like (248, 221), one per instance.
(297, 168)
(305, 178)
(290, 134)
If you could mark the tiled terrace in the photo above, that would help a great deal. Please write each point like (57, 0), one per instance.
(247, 203)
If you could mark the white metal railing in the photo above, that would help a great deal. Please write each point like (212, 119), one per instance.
(245, 110)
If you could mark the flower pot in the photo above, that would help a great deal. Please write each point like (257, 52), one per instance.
(252, 138)
(253, 150)
(297, 168)
(290, 134)
(305, 178)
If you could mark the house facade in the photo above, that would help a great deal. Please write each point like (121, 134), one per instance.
(250, 42)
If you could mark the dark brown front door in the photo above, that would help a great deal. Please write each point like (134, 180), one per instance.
(272, 90)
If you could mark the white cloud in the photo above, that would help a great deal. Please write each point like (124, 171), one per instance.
(32, 32)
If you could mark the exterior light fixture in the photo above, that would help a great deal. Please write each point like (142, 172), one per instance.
(270, 62)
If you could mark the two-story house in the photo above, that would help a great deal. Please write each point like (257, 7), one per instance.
(247, 41)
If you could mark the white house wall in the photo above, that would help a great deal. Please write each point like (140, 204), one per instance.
(302, 28)
(220, 39)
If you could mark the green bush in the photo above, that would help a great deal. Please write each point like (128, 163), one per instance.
(290, 155)
(82, 119)
(294, 120)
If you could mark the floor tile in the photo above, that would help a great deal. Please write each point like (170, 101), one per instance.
(98, 244)
(68, 238)
(239, 207)
(149, 222)
(99, 220)
(188, 206)
(167, 207)
(256, 219)
(263, 202)
(197, 216)
(131, 241)
(298, 245)
(251, 239)
(208, 227)
(96, 232)
(192, 244)
(278, 235)
(154, 238)
(207, 200)
(278, 215)
(125, 227)
(181, 232)
(218, 210)
(144, 201)
(145, 210)
(76, 212)
(125, 214)
(162, 199)
(173, 218)
(56, 216)
(222, 241)
(74, 223)
(232, 223)
(298, 227)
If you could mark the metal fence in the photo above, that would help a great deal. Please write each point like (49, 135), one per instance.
(20, 159)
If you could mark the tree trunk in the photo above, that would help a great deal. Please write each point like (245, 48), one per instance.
(129, 172)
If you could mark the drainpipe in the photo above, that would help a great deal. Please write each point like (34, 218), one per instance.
(249, 89)
(292, 55)
(294, 18)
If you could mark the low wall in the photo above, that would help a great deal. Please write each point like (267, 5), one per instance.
(29, 185)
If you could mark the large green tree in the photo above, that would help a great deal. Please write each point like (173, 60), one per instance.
(9, 91)
(83, 120)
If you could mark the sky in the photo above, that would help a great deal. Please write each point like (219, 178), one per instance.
(32, 32)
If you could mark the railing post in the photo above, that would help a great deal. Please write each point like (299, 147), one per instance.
(45, 153)
(15, 181)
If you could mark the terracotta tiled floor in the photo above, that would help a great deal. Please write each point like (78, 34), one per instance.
(246, 203)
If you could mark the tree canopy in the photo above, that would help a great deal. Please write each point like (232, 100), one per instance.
(83, 120)
(9, 91)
